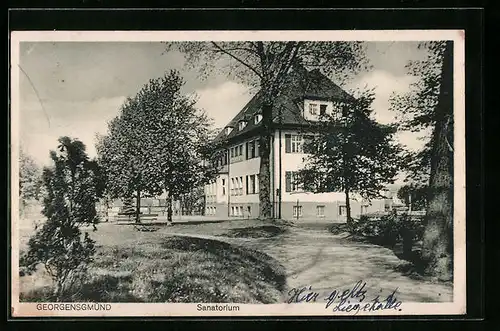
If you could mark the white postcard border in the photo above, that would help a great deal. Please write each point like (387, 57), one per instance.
(458, 306)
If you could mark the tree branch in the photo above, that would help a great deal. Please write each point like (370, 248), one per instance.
(237, 59)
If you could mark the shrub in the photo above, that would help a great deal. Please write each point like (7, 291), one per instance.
(69, 202)
(390, 228)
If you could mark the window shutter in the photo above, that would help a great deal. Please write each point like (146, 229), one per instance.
(288, 143)
(288, 181)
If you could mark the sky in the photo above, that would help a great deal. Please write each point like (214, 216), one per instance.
(75, 88)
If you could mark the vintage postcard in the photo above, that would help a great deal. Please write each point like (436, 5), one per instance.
(237, 173)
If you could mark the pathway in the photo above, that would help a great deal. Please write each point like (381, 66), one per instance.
(316, 258)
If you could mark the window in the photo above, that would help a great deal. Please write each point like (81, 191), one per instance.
(242, 125)
(241, 210)
(387, 206)
(296, 144)
(228, 130)
(320, 211)
(364, 209)
(240, 186)
(297, 211)
(241, 150)
(223, 186)
(233, 186)
(293, 143)
(322, 110)
(232, 210)
(342, 210)
(251, 184)
(257, 118)
(291, 184)
(313, 109)
(249, 211)
(251, 148)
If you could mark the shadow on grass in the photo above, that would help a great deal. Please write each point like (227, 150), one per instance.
(102, 288)
(221, 272)
(264, 231)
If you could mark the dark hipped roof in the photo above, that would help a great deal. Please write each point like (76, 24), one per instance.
(300, 84)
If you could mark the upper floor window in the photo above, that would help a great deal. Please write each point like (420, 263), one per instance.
(257, 118)
(293, 143)
(242, 125)
(228, 130)
(298, 143)
(291, 182)
(252, 149)
(252, 182)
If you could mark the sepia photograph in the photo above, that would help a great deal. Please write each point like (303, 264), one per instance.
(238, 173)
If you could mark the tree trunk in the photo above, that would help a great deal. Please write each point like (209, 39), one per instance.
(138, 207)
(169, 209)
(264, 153)
(437, 251)
(348, 207)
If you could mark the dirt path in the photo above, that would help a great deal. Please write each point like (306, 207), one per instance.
(326, 262)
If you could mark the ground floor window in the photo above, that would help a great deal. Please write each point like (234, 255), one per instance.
(342, 210)
(210, 211)
(320, 211)
(297, 211)
(237, 211)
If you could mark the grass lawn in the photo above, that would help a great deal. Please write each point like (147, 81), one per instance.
(244, 261)
(135, 266)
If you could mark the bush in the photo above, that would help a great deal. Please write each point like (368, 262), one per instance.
(388, 229)
(69, 202)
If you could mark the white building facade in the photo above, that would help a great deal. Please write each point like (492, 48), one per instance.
(235, 192)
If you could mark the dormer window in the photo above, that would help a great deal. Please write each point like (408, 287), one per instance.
(257, 118)
(241, 125)
(313, 108)
(317, 109)
(228, 130)
(322, 110)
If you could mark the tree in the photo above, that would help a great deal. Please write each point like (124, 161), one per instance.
(159, 144)
(416, 108)
(437, 250)
(193, 201)
(351, 153)
(68, 204)
(413, 194)
(29, 179)
(121, 156)
(429, 105)
(266, 65)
